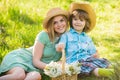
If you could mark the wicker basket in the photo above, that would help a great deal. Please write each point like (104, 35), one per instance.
(64, 76)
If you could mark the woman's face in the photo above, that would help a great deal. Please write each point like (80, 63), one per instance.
(59, 24)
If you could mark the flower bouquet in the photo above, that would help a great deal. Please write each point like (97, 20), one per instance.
(53, 69)
(64, 71)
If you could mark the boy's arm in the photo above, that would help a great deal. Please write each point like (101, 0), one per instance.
(92, 49)
(62, 43)
(60, 47)
(96, 55)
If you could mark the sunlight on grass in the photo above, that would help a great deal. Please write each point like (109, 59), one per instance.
(21, 20)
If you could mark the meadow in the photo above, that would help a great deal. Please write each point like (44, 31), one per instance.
(21, 20)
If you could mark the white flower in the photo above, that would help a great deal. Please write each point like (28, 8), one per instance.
(68, 69)
(53, 69)
(73, 68)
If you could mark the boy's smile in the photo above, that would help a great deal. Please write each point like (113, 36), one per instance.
(78, 24)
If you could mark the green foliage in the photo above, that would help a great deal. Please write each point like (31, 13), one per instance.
(117, 71)
(21, 20)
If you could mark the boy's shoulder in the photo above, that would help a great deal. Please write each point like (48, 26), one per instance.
(67, 33)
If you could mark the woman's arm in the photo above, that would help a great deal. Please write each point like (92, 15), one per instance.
(37, 54)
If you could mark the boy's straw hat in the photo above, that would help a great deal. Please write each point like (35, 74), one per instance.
(86, 7)
(52, 13)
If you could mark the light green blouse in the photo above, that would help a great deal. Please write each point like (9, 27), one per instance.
(50, 53)
(23, 57)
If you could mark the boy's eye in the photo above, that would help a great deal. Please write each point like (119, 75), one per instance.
(81, 19)
(74, 18)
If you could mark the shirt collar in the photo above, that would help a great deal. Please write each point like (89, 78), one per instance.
(74, 31)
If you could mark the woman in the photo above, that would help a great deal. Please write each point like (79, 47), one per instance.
(17, 65)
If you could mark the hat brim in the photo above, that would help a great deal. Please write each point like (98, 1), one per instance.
(86, 7)
(56, 13)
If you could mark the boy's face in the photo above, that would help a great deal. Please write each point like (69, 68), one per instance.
(78, 24)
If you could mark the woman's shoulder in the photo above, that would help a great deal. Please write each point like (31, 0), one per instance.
(43, 32)
(42, 36)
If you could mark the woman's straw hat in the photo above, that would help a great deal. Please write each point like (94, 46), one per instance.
(86, 7)
(52, 13)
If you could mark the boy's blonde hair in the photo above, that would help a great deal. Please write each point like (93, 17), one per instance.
(82, 15)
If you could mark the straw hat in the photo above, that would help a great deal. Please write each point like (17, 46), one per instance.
(52, 13)
(86, 7)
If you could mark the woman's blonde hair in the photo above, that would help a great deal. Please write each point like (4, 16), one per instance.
(50, 28)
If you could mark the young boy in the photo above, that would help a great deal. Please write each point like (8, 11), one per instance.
(79, 46)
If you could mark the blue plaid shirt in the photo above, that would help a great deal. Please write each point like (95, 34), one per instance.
(77, 46)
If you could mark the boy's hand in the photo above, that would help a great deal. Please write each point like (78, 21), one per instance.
(96, 55)
(60, 47)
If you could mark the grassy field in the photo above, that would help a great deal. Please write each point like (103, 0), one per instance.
(21, 20)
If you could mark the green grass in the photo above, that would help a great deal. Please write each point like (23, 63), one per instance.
(21, 20)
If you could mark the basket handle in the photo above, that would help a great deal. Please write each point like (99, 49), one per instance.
(63, 61)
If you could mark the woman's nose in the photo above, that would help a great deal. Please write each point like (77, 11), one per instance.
(59, 23)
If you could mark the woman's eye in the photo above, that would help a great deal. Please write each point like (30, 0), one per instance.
(61, 20)
(55, 23)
